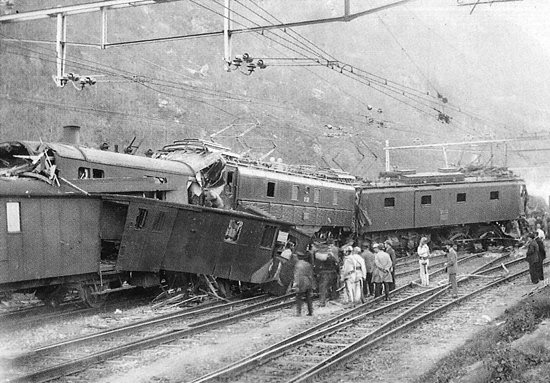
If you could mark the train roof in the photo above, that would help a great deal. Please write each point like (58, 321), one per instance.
(289, 177)
(125, 199)
(200, 147)
(109, 158)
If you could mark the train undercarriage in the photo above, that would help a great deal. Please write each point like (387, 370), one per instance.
(470, 237)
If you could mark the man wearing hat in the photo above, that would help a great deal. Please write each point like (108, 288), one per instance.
(451, 266)
(388, 249)
(352, 275)
(381, 275)
(423, 261)
(368, 257)
(326, 270)
(304, 282)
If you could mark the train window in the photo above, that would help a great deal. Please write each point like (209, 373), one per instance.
(98, 173)
(295, 191)
(306, 194)
(268, 237)
(83, 173)
(141, 218)
(460, 197)
(494, 195)
(426, 200)
(335, 198)
(389, 202)
(233, 230)
(13, 217)
(229, 178)
(159, 222)
(271, 189)
(316, 195)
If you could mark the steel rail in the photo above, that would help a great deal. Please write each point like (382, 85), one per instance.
(369, 340)
(336, 323)
(330, 326)
(415, 270)
(80, 364)
(142, 324)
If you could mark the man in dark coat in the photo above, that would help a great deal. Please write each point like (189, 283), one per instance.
(451, 266)
(532, 257)
(303, 282)
(542, 257)
(388, 249)
(326, 271)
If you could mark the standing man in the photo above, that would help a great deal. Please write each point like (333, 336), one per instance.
(542, 256)
(532, 257)
(326, 271)
(335, 252)
(303, 282)
(356, 254)
(423, 255)
(382, 272)
(452, 267)
(368, 257)
(352, 276)
(388, 249)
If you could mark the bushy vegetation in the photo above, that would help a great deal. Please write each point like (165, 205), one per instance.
(491, 357)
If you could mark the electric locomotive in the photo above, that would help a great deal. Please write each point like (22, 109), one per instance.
(471, 208)
(475, 209)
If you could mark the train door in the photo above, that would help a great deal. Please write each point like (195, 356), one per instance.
(145, 237)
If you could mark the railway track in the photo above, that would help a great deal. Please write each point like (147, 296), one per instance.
(40, 314)
(315, 351)
(81, 353)
(64, 358)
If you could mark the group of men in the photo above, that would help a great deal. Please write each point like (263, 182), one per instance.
(358, 270)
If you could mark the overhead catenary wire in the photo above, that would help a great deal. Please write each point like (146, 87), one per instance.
(385, 83)
(451, 106)
(129, 74)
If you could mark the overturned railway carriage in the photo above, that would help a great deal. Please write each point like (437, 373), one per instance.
(75, 217)
(445, 206)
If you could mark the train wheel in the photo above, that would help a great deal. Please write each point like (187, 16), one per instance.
(90, 296)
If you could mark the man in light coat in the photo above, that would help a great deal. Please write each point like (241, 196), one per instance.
(389, 249)
(352, 275)
(423, 261)
(368, 257)
(382, 272)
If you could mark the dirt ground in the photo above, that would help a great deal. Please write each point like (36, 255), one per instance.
(402, 360)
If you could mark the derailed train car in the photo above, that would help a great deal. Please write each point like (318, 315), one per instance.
(170, 238)
(60, 230)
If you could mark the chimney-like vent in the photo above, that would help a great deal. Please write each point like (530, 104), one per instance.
(71, 134)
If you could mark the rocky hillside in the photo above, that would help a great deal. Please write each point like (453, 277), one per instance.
(331, 114)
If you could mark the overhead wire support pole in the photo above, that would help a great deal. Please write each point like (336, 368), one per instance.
(117, 4)
(60, 49)
(103, 27)
(387, 148)
(227, 25)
